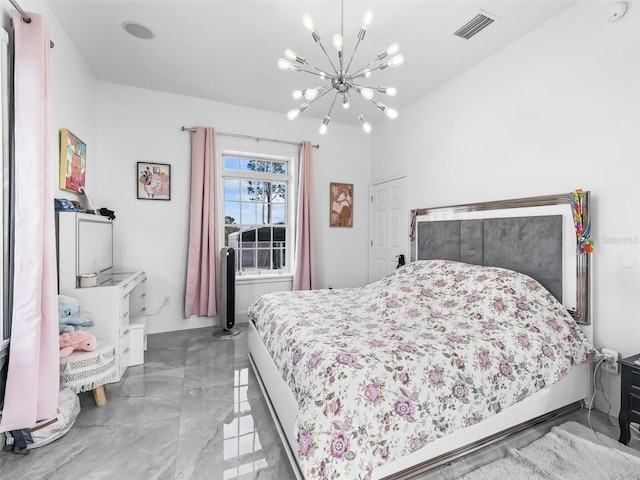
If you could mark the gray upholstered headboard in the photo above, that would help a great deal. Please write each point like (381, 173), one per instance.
(530, 245)
(535, 236)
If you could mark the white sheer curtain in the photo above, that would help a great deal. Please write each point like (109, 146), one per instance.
(34, 356)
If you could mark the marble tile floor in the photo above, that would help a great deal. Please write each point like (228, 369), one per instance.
(194, 411)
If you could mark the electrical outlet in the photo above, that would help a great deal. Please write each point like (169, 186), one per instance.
(611, 360)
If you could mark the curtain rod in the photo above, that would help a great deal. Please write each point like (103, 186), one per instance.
(251, 137)
(26, 18)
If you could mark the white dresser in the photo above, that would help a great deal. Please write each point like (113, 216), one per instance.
(117, 302)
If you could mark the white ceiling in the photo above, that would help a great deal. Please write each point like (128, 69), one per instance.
(227, 50)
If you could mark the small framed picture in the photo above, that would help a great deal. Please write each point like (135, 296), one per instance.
(153, 181)
(73, 162)
(341, 205)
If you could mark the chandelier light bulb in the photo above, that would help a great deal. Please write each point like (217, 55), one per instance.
(392, 50)
(345, 103)
(297, 94)
(308, 23)
(366, 93)
(292, 56)
(368, 16)
(391, 91)
(293, 114)
(365, 126)
(310, 93)
(323, 128)
(397, 61)
(337, 42)
(287, 65)
(391, 113)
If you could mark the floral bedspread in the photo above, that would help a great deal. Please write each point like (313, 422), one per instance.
(381, 371)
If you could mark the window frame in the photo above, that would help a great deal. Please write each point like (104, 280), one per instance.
(283, 153)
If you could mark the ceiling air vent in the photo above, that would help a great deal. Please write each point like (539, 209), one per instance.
(477, 23)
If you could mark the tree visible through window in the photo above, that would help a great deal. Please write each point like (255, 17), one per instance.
(255, 212)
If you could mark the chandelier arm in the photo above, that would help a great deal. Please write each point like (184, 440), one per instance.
(363, 86)
(333, 103)
(341, 53)
(321, 94)
(322, 74)
(328, 57)
(390, 112)
(327, 89)
(378, 88)
(353, 55)
(358, 72)
(323, 91)
(353, 103)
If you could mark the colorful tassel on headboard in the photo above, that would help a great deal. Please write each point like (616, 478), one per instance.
(583, 225)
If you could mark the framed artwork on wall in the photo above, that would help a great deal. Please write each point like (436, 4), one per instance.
(153, 181)
(73, 161)
(341, 204)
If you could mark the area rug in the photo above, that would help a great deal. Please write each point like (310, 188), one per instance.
(569, 451)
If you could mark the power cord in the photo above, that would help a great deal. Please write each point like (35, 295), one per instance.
(165, 302)
(593, 397)
(635, 432)
(604, 395)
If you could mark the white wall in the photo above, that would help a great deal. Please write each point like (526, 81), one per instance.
(554, 111)
(144, 125)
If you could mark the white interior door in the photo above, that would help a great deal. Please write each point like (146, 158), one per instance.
(389, 232)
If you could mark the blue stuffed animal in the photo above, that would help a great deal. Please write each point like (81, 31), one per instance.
(70, 317)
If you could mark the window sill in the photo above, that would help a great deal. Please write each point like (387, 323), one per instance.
(268, 278)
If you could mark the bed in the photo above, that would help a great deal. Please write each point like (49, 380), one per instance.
(475, 338)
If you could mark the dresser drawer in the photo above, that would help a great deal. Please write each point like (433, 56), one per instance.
(635, 378)
(124, 324)
(124, 353)
(124, 315)
(634, 398)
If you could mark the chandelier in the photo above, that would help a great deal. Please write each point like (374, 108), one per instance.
(342, 81)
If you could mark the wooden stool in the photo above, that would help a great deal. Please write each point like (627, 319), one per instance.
(86, 371)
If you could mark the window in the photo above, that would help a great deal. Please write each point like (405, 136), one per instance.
(256, 211)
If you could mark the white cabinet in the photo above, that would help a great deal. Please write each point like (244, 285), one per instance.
(117, 302)
(115, 306)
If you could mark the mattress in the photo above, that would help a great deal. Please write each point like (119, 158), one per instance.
(381, 371)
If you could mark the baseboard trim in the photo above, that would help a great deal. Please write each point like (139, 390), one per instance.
(162, 326)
